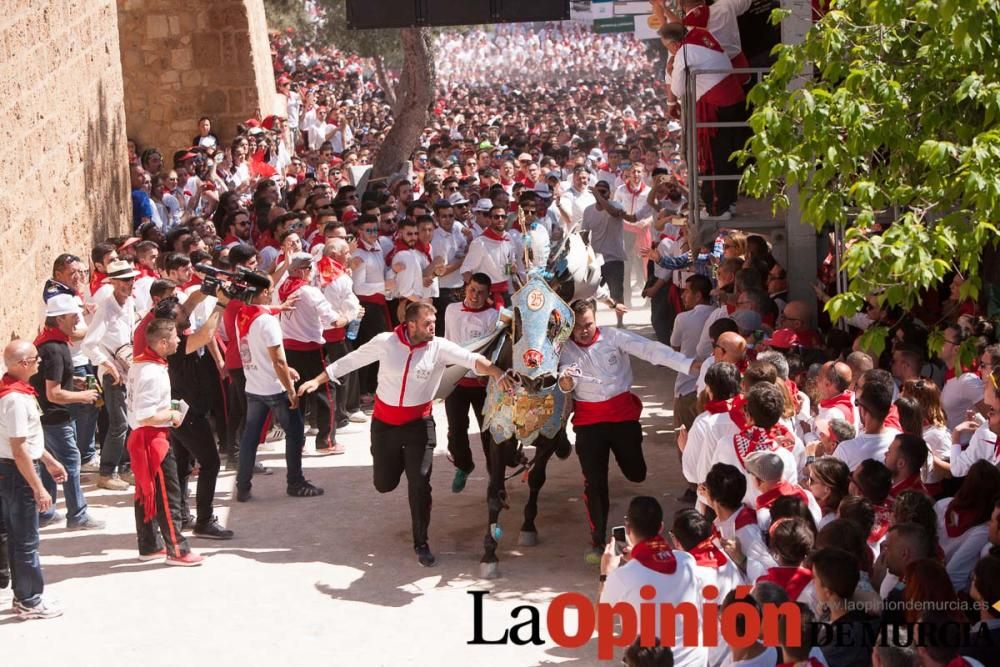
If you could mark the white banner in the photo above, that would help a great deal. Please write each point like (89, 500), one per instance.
(602, 9)
(644, 27)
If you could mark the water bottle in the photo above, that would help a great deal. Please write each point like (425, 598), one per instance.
(352, 329)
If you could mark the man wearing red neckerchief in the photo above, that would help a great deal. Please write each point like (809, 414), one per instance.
(22, 446)
(465, 322)
(647, 562)
(606, 413)
(905, 458)
(150, 416)
(411, 364)
(712, 426)
(719, 98)
(493, 254)
(56, 388)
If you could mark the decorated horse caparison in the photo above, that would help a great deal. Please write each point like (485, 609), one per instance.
(527, 345)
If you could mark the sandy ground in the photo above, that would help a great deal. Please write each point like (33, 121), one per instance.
(334, 579)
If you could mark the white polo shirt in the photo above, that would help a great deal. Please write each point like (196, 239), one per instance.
(20, 417)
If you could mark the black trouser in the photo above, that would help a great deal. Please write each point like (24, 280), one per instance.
(717, 196)
(594, 443)
(347, 395)
(309, 364)
(167, 492)
(236, 409)
(373, 322)
(4, 563)
(407, 448)
(456, 406)
(193, 441)
(613, 273)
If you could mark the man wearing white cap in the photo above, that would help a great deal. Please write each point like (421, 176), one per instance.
(56, 390)
(482, 217)
(108, 346)
(302, 329)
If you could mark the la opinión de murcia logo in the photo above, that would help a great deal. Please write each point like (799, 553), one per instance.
(738, 625)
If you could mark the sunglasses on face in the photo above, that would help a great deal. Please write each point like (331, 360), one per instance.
(499, 216)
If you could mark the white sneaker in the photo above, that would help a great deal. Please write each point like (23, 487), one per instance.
(358, 417)
(276, 433)
(312, 431)
(732, 208)
(353, 427)
(41, 610)
(93, 465)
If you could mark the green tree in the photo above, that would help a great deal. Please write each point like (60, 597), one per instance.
(899, 118)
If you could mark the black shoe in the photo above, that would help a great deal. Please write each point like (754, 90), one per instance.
(424, 556)
(563, 448)
(690, 496)
(212, 530)
(187, 522)
(243, 495)
(261, 469)
(304, 490)
(343, 423)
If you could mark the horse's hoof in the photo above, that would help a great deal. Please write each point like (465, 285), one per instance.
(496, 531)
(527, 538)
(489, 570)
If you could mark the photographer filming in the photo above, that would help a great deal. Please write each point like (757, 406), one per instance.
(193, 439)
(270, 386)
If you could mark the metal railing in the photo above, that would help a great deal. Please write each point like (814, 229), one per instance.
(691, 127)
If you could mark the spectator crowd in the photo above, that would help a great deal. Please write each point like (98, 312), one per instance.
(260, 288)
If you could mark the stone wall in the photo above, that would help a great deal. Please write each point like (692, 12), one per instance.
(183, 59)
(64, 172)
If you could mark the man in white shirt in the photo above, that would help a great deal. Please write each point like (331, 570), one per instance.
(720, 98)
(684, 338)
(493, 254)
(270, 387)
(873, 443)
(448, 246)
(651, 562)
(575, 199)
(466, 321)
(713, 426)
(412, 363)
(107, 344)
(368, 275)
(302, 328)
(606, 413)
(335, 282)
(632, 196)
(151, 414)
(22, 446)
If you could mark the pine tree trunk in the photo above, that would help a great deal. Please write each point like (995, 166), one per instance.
(415, 95)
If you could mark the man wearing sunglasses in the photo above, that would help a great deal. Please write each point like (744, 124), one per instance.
(111, 331)
(493, 254)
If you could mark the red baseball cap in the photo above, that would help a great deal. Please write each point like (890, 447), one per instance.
(782, 339)
(283, 79)
(252, 122)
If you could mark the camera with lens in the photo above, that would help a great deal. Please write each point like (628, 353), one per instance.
(241, 283)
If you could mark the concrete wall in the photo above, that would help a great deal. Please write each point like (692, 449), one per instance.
(183, 59)
(65, 167)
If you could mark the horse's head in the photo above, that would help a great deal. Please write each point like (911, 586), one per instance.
(542, 323)
(575, 269)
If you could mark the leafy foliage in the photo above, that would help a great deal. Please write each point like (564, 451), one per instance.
(901, 115)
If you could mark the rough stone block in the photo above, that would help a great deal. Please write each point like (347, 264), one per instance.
(157, 26)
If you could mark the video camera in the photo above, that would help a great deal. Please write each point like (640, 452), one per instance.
(241, 283)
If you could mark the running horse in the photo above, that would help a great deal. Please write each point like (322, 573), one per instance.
(527, 344)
